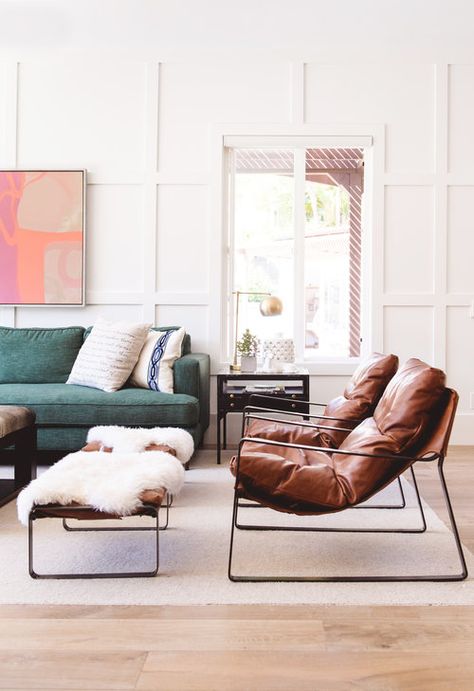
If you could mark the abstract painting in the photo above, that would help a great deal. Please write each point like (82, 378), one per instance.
(42, 237)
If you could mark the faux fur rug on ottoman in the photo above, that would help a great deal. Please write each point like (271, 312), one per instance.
(113, 470)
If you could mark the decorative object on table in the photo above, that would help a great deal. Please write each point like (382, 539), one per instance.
(42, 214)
(154, 369)
(270, 306)
(247, 349)
(108, 355)
(281, 349)
(267, 363)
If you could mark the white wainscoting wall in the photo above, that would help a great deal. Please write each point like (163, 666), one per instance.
(143, 131)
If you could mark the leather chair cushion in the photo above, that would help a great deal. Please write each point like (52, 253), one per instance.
(361, 395)
(289, 480)
(279, 431)
(401, 420)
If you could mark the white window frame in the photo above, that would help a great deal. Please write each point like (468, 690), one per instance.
(371, 138)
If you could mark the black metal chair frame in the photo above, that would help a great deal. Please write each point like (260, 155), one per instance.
(38, 512)
(350, 579)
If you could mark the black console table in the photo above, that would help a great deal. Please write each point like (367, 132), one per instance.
(234, 391)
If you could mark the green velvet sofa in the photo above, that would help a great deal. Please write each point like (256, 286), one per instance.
(34, 367)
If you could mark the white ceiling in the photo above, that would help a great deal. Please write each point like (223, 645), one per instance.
(310, 30)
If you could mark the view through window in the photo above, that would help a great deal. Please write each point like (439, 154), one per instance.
(296, 233)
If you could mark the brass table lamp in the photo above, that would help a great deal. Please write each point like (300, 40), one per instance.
(270, 306)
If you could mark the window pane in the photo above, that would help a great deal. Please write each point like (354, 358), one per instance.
(332, 252)
(263, 237)
(267, 233)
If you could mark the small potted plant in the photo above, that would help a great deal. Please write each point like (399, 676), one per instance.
(247, 349)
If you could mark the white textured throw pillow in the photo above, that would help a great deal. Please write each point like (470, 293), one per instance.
(154, 369)
(108, 355)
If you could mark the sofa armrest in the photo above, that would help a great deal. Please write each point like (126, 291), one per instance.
(192, 377)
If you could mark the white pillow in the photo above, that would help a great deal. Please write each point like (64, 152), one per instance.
(108, 355)
(154, 369)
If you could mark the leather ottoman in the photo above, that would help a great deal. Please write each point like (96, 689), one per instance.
(17, 429)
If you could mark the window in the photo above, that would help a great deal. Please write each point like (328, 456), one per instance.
(295, 232)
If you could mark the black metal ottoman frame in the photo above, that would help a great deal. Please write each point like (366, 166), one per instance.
(45, 512)
(71, 529)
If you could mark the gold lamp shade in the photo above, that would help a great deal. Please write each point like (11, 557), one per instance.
(271, 306)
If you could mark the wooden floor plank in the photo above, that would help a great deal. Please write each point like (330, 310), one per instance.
(180, 634)
(233, 671)
(53, 670)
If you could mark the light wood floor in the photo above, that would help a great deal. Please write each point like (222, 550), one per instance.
(250, 647)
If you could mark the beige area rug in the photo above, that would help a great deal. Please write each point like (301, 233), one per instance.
(194, 550)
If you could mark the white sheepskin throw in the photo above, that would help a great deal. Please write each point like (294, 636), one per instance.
(138, 438)
(112, 482)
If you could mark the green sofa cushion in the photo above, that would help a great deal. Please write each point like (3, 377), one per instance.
(67, 404)
(38, 356)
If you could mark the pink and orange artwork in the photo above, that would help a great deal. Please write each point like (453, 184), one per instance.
(42, 237)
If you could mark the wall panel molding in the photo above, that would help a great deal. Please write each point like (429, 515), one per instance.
(101, 297)
(9, 145)
(409, 299)
(174, 298)
(150, 192)
(440, 212)
(420, 179)
(297, 93)
(116, 177)
(184, 178)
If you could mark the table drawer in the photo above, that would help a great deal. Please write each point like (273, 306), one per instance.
(237, 402)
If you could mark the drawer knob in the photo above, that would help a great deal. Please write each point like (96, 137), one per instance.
(232, 405)
(293, 405)
(231, 395)
(293, 395)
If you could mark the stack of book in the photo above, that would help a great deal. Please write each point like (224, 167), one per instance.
(264, 389)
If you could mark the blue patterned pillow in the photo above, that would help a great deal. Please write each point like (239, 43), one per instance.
(154, 369)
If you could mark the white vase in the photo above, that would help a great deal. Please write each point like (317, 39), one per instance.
(248, 363)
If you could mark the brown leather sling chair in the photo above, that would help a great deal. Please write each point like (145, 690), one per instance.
(411, 423)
